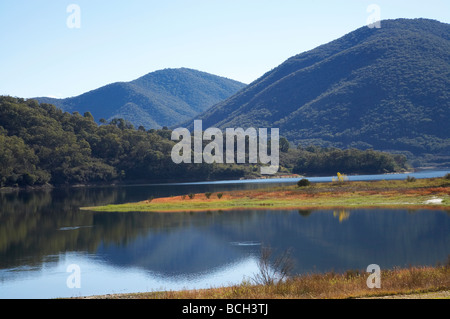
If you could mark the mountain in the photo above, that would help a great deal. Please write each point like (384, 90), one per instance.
(386, 88)
(162, 98)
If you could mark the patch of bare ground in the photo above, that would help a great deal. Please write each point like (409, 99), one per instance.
(427, 295)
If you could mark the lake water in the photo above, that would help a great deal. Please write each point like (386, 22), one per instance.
(43, 234)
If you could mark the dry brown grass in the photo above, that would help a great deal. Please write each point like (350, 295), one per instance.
(407, 283)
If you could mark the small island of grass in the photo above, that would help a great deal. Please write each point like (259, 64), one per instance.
(409, 193)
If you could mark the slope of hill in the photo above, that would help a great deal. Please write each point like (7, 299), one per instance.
(161, 98)
(387, 89)
(40, 144)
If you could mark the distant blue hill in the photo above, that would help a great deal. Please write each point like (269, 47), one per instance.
(161, 98)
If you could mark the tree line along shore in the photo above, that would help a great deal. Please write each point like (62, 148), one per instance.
(43, 146)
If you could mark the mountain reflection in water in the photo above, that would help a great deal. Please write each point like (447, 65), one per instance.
(41, 232)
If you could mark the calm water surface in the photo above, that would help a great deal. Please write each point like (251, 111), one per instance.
(42, 233)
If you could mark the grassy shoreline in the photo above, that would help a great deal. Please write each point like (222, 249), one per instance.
(404, 283)
(421, 193)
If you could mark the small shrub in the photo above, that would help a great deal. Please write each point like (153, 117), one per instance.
(150, 198)
(191, 196)
(183, 197)
(340, 178)
(273, 270)
(410, 179)
(447, 176)
(303, 182)
(219, 195)
(208, 195)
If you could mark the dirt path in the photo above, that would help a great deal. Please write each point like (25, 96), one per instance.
(428, 295)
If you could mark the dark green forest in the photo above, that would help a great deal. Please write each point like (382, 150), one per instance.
(41, 144)
(314, 160)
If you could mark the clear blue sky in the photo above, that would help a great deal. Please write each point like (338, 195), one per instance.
(123, 40)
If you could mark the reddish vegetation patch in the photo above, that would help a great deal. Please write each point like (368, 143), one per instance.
(296, 194)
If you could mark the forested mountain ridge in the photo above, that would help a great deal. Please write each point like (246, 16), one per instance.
(387, 89)
(41, 144)
(161, 98)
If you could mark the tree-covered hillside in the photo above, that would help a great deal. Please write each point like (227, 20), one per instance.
(387, 89)
(161, 98)
(40, 144)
